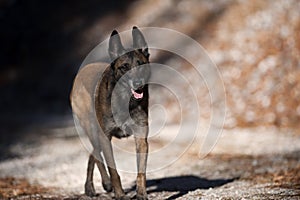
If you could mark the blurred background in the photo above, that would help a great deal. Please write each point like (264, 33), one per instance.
(255, 44)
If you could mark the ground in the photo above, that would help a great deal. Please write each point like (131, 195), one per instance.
(256, 163)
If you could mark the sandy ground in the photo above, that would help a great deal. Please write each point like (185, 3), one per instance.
(258, 163)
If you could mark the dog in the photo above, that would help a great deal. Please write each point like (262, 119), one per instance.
(120, 106)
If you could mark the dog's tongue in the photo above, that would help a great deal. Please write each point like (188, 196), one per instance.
(137, 95)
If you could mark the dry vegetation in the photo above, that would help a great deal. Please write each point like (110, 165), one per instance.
(255, 44)
(13, 187)
(257, 47)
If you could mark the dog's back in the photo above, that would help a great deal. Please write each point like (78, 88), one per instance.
(82, 98)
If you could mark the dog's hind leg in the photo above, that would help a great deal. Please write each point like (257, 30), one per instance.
(106, 183)
(89, 185)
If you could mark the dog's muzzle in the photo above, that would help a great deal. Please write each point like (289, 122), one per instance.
(137, 87)
(137, 94)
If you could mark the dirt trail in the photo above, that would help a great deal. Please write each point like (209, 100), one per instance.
(260, 163)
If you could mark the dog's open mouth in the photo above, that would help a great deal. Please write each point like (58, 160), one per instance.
(138, 93)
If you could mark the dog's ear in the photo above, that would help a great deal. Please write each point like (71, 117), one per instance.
(139, 41)
(115, 48)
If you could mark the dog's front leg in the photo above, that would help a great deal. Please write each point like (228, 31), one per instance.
(142, 155)
(114, 176)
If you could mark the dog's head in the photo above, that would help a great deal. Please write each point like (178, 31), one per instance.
(130, 64)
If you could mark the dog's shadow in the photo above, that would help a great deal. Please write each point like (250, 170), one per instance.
(182, 184)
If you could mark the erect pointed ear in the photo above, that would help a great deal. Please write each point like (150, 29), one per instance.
(115, 48)
(139, 41)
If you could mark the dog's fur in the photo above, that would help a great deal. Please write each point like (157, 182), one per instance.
(119, 113)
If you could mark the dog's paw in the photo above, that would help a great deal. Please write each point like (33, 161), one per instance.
(107, 186)
(141, 197)
(89, 189)
(124, 197)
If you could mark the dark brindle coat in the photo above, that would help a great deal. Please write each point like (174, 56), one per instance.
(121, 108)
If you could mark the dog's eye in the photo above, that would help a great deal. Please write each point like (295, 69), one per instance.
(140, 62)
(123, 68)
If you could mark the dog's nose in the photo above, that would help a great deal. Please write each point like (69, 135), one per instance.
(137, 83)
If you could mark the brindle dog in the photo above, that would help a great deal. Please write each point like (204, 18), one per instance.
(122, 116)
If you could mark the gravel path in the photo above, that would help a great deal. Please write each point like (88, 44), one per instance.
(260, 163)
